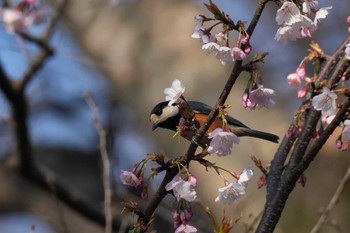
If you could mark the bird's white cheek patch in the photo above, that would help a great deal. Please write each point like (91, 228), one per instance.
(169, 111)
(154, 118)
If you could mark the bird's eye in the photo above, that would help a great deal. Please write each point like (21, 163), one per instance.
(159, 112)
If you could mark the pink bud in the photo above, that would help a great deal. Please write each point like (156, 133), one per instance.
(186, 215)
(339, 144)
(192, 179)
(176, 218)
(294, 79)
(247, 48)
(301, 71)
(302, 92)
(302, 180)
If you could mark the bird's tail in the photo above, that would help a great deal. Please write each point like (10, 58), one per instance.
(259, 134)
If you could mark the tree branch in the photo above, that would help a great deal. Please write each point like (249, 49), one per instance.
(105, 163)
(299, 161)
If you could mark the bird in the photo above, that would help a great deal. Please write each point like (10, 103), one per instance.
(171, 117)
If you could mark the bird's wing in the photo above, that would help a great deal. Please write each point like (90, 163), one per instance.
(199, 107)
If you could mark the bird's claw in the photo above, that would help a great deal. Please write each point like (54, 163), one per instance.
(194, 141)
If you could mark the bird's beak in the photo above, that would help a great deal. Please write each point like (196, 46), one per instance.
(154, 126)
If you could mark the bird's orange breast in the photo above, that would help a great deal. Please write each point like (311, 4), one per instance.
(202, 118)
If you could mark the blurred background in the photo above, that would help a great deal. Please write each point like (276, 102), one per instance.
(124, 53)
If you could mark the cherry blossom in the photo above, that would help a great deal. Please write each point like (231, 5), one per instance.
(235, 190)
(238, 54)
(295, 25)
(325, 102)
(219, 44)
(200, 33)
(321, 14)
(182, 189)
(129, 178)
(224, 55)
(210, 47)
(263, 97)
(173, 93)
(230, 193)
(288, 13)
(222, 141)
(246, 175)
(286, 33)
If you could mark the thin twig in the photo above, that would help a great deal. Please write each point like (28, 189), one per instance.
(44, 44)
(105, 162)
(323, 218)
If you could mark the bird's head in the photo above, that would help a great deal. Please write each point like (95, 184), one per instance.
(165, 116)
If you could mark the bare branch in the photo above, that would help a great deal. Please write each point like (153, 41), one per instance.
(321, 221)
(105, 163)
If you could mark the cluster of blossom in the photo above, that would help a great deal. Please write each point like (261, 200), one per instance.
(20, 18)
(219, 43)
(326, 103)
(298, 77)
(296, 24)
(221, 144)
(181, 219)
(184, 191)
